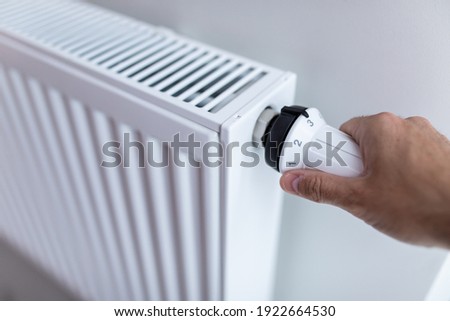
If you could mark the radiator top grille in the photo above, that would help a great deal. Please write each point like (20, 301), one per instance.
(197, 75)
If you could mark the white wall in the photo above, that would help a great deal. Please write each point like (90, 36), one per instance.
(21, 280)
(353, 58)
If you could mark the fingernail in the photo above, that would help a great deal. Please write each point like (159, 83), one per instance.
(291, 183)
(295, 183)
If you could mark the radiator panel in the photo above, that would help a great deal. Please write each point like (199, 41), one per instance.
(112, 231)
(72, 77)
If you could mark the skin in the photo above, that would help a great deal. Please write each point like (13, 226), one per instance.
(404, 191)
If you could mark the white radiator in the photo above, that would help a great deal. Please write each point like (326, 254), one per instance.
(73, 77)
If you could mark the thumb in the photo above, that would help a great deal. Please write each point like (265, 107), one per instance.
(321, 187)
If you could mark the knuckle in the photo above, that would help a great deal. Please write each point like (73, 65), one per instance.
(384, 122)
(386, 117)
(419, 120)
(312, 188)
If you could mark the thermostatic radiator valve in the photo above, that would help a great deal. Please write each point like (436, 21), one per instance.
(299, 137)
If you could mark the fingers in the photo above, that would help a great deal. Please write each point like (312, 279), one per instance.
(321, 187)
(425, 126)
(355, 126)
(352, 126)
(360, 126)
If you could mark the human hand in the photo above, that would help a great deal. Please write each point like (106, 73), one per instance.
(404, 190)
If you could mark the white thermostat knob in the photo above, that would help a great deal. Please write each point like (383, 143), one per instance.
(299, 137)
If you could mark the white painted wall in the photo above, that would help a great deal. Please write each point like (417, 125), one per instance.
(352, 58)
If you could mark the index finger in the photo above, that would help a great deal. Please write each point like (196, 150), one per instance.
(352, 127)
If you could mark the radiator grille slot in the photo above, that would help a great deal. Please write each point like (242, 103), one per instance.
(198, 76)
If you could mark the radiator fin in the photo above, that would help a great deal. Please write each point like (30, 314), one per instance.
(200, 77)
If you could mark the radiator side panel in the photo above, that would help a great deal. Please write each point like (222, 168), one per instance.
(253, 207)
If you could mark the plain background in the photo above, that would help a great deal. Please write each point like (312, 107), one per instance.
(352, 58)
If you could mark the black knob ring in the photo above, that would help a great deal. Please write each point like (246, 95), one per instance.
(277, 131)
